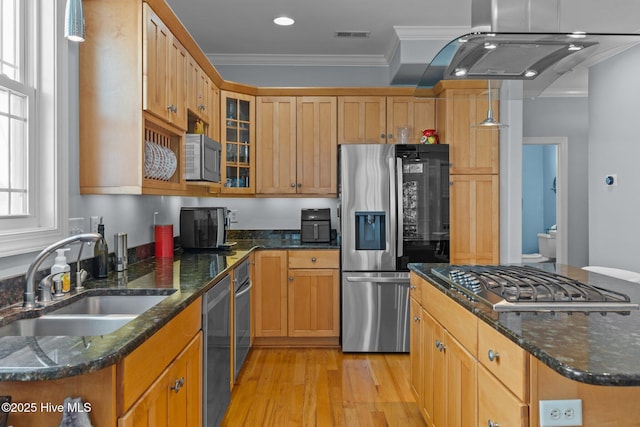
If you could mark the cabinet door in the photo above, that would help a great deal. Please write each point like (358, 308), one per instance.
(462, 383)
(174, 399)
(214, 112)
(270, 306)
(193, 75)
(362, 119)
(472, 150)
(204, 97)
(317, 145)
(276, 156)
(474, 216)
(416, 352)
(176, 79)
(314, 303)
(238, 142)
(416, 113)
(157, 39)
(435, 385)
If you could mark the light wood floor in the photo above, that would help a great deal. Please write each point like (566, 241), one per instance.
(323, 387)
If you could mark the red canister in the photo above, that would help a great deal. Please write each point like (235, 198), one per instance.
(164, 241)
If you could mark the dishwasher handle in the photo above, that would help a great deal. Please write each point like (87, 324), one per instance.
(360, 279)
(245, 290)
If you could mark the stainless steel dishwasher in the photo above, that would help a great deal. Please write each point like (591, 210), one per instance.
(242, 312)
(216, 360)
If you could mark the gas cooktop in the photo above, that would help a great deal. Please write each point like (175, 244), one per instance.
(525, 288)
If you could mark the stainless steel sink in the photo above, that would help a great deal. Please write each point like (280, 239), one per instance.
(88, 316)
(111, 304)
(60, 325)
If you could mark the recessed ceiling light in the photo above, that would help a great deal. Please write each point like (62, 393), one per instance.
(283, 20)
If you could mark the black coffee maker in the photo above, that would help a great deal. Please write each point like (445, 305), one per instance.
(315, 225)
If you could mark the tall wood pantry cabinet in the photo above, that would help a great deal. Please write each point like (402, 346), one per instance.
(474, 173)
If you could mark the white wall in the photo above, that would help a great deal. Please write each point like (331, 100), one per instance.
(560, 117)
(614, 148)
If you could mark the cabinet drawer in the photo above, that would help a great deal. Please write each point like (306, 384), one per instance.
(461, 323)
(510, 363)
(327, 258)
(415, 288)
(497, 405)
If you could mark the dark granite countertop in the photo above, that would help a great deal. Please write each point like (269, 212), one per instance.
(593, 349)
(186, 276)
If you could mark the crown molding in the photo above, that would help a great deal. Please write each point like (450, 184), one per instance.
(300, 60)
(406, 33)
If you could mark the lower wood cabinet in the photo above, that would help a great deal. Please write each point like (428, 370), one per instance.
(174, 398)
(296, 297)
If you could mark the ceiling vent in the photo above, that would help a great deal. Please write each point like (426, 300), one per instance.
(352, 34)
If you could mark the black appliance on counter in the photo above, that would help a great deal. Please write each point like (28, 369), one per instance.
(315, 225)
(203, 227)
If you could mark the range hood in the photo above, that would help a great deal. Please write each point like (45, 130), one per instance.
(520, 40)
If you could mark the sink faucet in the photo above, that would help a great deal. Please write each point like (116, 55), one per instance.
(30, 284)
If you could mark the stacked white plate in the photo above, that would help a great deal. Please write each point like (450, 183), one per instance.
(159, 162)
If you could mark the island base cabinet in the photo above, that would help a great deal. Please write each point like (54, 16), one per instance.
(174, 398)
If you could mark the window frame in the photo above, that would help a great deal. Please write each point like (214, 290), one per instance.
(46, 59)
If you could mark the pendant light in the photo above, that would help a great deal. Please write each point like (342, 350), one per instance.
(74, 21)
(489, 122)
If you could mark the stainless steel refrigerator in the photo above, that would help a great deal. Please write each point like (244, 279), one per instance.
(394, 209)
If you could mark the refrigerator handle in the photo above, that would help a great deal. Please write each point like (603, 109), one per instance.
(400, 203)
(393, 207)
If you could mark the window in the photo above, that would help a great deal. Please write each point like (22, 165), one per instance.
(33, 125)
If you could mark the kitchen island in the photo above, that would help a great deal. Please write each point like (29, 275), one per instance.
(526, 357)
(36, 370)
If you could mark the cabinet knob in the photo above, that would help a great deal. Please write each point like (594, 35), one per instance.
(201, 107)
(390, 136)
(382, 136)
(178, 384)
(416, 318)
(299, 185)
(492, 424)
(291, 278)
(412, 286)
(440, 346)
(293, 185)
(172, 108)
(313, 259)
(492, 355)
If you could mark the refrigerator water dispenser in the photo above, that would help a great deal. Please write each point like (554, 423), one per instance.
(370, 231)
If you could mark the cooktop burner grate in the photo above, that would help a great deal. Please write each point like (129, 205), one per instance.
(525, 288)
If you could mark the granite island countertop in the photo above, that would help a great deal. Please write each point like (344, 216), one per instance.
(594, 349)
(184, 278)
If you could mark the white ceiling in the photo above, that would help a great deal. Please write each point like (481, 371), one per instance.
(405, 34)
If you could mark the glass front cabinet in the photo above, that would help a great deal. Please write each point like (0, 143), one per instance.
(238, 136)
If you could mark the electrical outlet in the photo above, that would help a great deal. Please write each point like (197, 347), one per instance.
(93, 224)
(560, 413)
(233, 215)
(76, 226)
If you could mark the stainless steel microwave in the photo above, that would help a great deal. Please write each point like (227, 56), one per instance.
(202, 158)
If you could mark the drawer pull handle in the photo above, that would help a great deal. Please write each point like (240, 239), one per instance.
(492, 355)
(314, 259)
(440, 346)
(178, 385)
(492, 424)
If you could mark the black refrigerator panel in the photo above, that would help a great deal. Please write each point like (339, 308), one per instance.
(423, 217)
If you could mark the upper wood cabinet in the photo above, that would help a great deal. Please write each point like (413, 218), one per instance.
(165, 71)
(130, 67)
(297, 148)
(200, 94)
(238, 143)
(376, 119)
(472, 150)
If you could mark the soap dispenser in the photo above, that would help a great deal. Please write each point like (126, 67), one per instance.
(60, 266)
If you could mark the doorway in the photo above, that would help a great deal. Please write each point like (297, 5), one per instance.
(552, 150)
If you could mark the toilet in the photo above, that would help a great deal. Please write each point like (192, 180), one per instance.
(547, 247)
